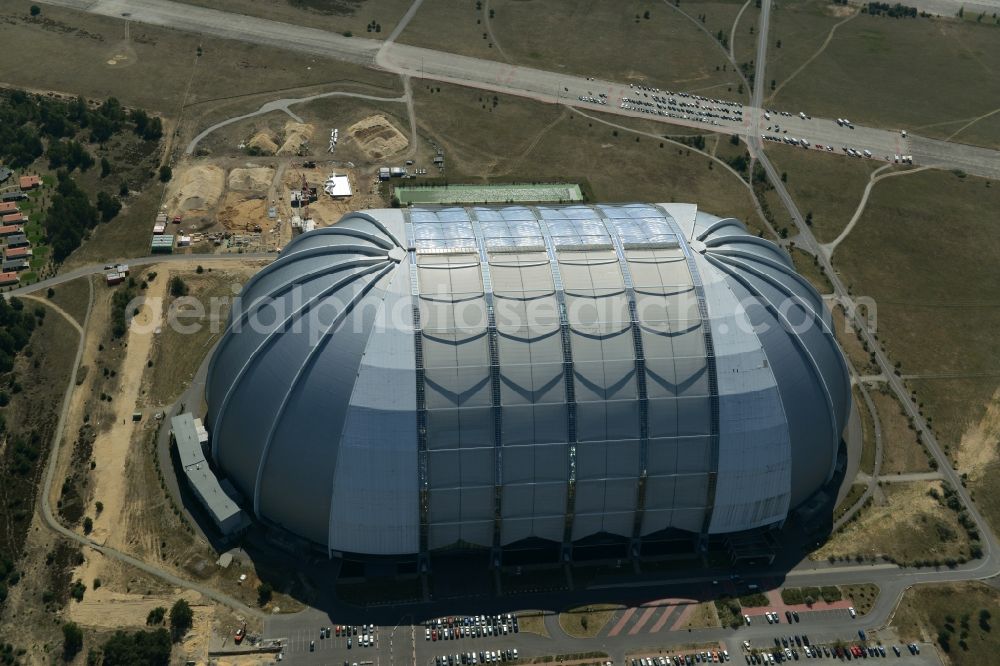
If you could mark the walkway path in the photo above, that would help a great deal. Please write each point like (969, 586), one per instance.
(283, 105)
(809, 60)
(831, 247)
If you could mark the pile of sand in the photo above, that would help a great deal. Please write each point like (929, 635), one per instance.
(242, 215)
(296, 134)
(378, 137)
(253, 179)
(196, 188)
(263, 141)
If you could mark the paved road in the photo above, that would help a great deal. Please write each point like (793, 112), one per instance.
(990, 564)
(528, 82)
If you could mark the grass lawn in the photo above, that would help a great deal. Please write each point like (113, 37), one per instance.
(937, 305)
(808, 266)
(867, 464)
(811, 176)
(532, 623)
(853, 495)
(927, 75)
(952, 616)
(177, 355)
(862, 595)
(585, 38)
(520, 140)
(704, 616)
(901, 451)
(586, 621)
(73, 297)
(910, 526)
(851, 344)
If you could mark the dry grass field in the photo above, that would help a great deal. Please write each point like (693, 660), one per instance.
(953, 612)
(162, 71)
(585, 38)
(807, 265)
(908, 526)
(930, 76)
(901, 451)
(923, 253)
(828, 186)
(524, 141)
(338, 16)
(851, 344)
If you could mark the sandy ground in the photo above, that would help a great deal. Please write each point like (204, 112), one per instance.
(978, 448)
(112, 448)
(296, 134)
(378, 137)
(116, 610)
(197, 188)
(243, 215)
(254, 179)
(265, 141)
(904, 512)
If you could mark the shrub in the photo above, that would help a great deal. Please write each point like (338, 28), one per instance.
(72, 641)
(156, 616)
(181, 618)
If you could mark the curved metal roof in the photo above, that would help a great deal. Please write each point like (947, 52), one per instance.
(410, 380)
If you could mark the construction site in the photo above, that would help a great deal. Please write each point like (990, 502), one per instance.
(282, 179)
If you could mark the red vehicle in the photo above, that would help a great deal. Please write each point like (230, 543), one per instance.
(336, 630)
(177, 219)
(240, 634)
(434, 634)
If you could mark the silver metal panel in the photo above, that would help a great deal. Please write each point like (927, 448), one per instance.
(738, 426)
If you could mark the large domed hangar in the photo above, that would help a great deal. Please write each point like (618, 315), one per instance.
(510, 377)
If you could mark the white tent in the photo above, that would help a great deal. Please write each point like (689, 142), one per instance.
(338, 186)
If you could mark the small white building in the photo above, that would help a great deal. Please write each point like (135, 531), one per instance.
(338, 186)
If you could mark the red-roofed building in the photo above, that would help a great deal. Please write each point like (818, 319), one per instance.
(7, 279)
(29, 182)
(7, 207)
(11, 229)
(17, 253)
(12, 218)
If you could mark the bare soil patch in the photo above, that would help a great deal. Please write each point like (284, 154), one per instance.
(378, 137)
(238, 213)
(252, 179)
(264, 141)
(297, 137)
(197, 188)
(978, 450)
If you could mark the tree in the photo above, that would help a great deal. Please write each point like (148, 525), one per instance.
(35, 10)
(123, 189)
(77, 590)
(99, 506)
(88, 525)
(108, 205)
(105, 167)
(72, 641)
(645, 14)
(149, 648)
(181, 618)
(264, 593)
(778, 44)
(784, 177)
(178, 287)
(156, 616)
(166, 173)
